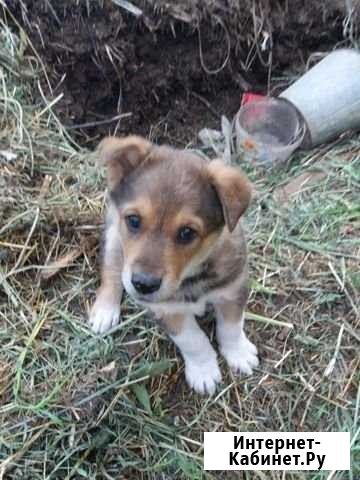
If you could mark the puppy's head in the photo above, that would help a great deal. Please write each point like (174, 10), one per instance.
(172, 206)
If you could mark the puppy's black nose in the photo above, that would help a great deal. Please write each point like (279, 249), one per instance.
(145, 283)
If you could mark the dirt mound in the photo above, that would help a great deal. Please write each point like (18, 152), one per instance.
(177, 64)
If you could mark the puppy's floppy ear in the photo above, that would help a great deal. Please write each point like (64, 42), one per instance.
(121, 156)
(233, 189)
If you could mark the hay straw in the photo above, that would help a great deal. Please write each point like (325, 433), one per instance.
(56, 394)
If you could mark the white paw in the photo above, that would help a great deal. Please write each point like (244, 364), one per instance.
(241, 356)
(203, 377)
(104, 315)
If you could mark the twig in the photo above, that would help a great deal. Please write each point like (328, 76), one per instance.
(128, 6)
(22, 253)
(207, 104)
(270, 321)
(99, 122)
(228, 41)
(329, 369)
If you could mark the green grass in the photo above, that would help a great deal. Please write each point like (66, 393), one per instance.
(73, 405)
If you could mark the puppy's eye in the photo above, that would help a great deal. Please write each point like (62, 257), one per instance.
(133, 222)
(186, 235)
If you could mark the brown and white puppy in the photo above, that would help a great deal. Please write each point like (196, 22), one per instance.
(173, 240)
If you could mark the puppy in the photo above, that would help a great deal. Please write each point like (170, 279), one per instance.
(173, 240)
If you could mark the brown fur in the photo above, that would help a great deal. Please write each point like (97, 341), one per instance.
(172, 323)
(121, 155)
(171, 189)
(234, 191)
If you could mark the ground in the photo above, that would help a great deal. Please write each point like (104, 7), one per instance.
(74, 405)
(167, 75)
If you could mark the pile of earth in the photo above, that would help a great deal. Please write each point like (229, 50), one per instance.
(173, 67)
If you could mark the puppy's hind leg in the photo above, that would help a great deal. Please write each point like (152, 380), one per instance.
(201, 368)
(105, 312)
(238, 351)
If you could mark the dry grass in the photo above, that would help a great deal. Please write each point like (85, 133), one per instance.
(77, 406)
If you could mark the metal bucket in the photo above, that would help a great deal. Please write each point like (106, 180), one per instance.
(328, 96)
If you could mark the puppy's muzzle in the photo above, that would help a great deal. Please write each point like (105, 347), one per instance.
(145, 283)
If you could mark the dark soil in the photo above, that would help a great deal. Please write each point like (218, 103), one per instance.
(107, 61)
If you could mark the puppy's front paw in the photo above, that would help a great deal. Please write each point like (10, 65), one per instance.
(104, 315)
(242, 356)
(203, 377)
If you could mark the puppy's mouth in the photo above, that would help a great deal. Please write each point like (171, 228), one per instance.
(163, 294)
(151, 298)
(148, 298)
